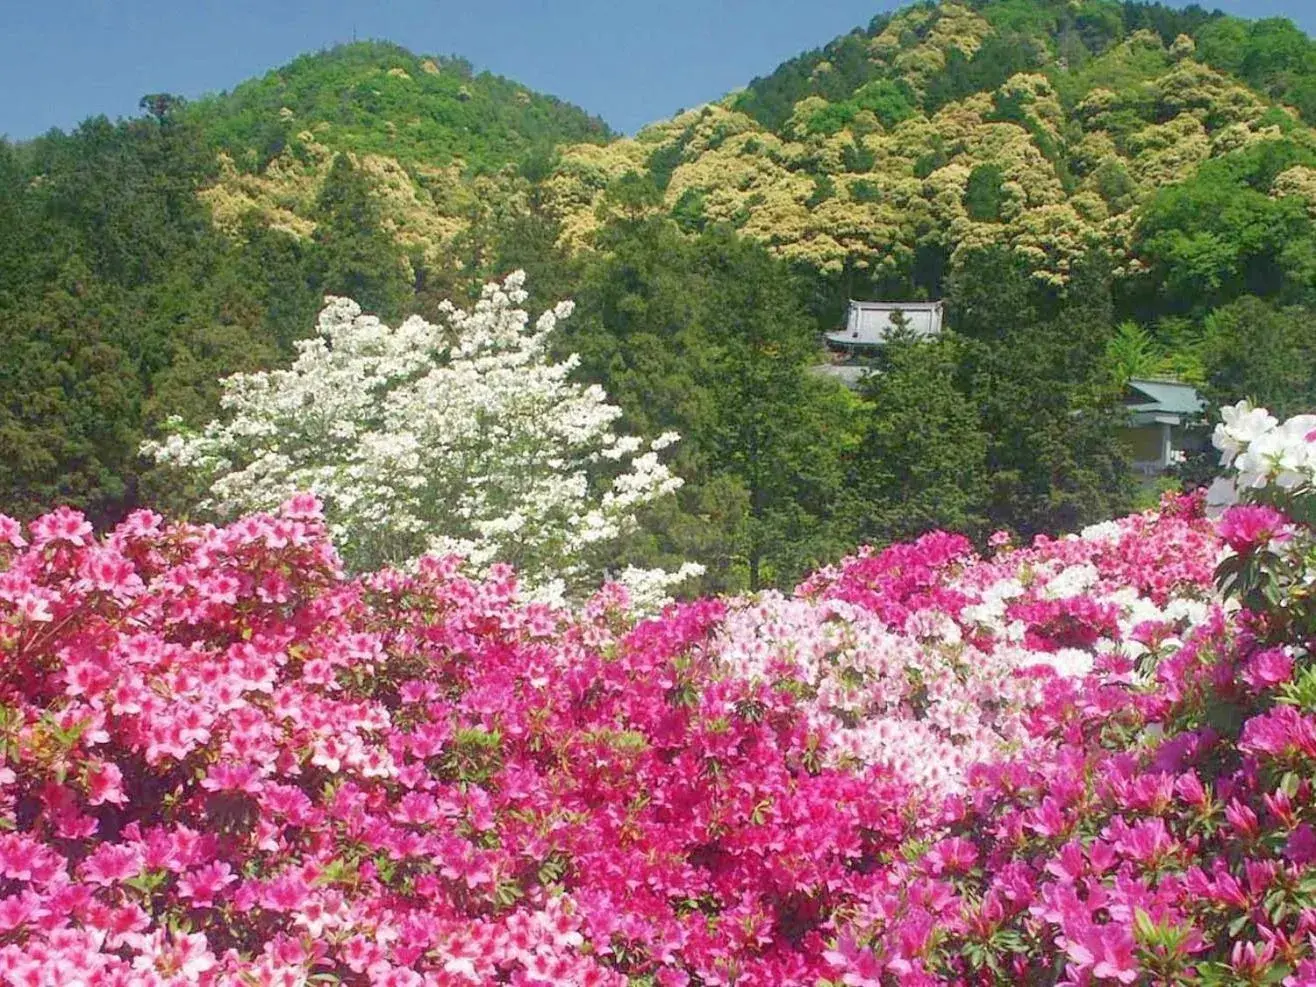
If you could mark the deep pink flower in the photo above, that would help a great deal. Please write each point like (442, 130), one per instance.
(61, 525)
(1190, 788)
(1108, 950)
(1281, 734)
(104, 783)
(1301, 846)
(951, 856)
(857, 967)
(1246, 526)
(1249, 961)
(202, 885)
(1267, 669)
(1242, 819)
(111, 863)
(11, 532)
(1305, 974)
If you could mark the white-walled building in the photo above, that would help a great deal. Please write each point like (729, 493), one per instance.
(868, 324)
(1161, 413)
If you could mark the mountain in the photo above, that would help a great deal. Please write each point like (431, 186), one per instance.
(373, 97)
(430, 134)
(876, 161)
(1049, 125)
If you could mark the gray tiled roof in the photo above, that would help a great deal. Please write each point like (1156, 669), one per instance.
(1165, 397)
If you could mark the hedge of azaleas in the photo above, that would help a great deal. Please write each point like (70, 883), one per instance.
(926, 659)
(1160, 830)
(1077, 762)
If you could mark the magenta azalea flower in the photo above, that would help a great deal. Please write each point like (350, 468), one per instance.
(1245, 527)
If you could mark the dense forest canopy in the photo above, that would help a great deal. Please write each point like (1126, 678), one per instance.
(1098, 189)
(373, 97)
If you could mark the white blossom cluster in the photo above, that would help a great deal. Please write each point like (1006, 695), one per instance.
(1262, 451)
(457, 438)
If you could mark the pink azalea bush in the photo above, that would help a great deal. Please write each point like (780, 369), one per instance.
(224, 763)
(926, 659)
(1162, 829)
(1085, 761)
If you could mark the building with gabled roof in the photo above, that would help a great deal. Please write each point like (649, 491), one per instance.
(869, 324)
(1160, 415)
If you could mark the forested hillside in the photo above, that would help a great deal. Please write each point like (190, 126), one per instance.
(130, 283)
(1098, 189)
(1047, 126)
(379, 98)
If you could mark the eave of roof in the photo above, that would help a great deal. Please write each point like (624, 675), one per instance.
(1140, 418)
(903, 306)
(1168, 396)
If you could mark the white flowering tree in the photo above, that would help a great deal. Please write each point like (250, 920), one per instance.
(462, 437)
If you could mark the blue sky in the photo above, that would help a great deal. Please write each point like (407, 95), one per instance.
(629, 62)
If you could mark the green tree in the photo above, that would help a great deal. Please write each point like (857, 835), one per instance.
(530, 241)
(989, 292)
(161, 106)
(69, 401)
(1133, 352)
(355, 256)
(773, 418)
(18, 252)
(121, 304)
(1221, 234)
(983, 195)
(1255, 349)
(1271, 54)
(1041, 383)
(708, 336)
(921, 462)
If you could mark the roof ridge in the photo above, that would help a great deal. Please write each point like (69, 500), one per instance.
(858, 301)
